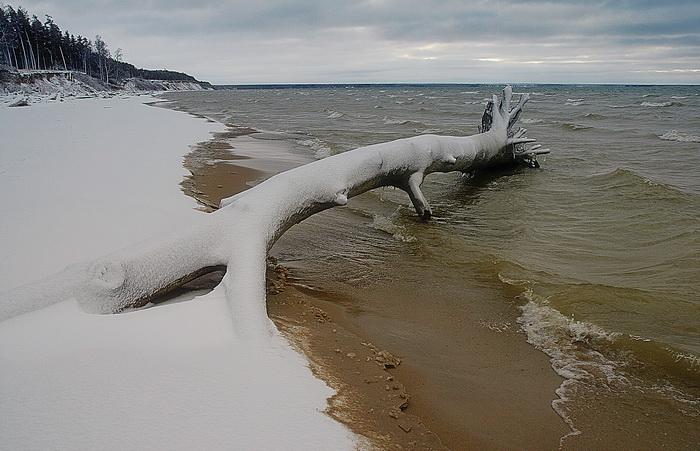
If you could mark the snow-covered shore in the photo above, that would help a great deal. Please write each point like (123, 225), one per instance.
(36, 86)
(81, 179)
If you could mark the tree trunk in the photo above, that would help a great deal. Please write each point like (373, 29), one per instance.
(241, 232)
(63, 58)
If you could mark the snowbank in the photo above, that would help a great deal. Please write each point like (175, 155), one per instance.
(39, 85)
(79, 180)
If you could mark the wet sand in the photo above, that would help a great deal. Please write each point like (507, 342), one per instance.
(213, 172)
(369, 399)
(378, 397)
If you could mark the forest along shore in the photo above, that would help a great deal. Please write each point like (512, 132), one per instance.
(375, 392)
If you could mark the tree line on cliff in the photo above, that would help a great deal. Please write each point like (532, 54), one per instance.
(28, 43)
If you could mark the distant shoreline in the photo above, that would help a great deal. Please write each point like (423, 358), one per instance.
(418, 85)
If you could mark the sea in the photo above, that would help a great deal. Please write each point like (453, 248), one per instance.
(592, 259)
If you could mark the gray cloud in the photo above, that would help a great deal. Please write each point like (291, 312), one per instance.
(398, 40)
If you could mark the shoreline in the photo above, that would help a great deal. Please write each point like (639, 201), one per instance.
(368, 399)
(372, 398)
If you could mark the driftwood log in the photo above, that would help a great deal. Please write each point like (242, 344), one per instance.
(240, 234)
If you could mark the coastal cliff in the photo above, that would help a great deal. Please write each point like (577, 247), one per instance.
(74, 83)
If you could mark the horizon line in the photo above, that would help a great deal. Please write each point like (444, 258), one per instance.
(390, 84)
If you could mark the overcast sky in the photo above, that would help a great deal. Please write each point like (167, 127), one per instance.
(468, 41)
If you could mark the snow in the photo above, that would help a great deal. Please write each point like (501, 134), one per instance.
(85, 178)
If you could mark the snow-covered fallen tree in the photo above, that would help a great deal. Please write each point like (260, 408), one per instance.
(239, 235)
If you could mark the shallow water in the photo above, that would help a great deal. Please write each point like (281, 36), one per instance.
(595, 256)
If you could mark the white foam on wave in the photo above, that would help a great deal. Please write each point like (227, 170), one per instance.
(675, 135)
(428, 131)
(332, 114)
(578, 127)
(319, 148)
(570, 345)
(563, 339)
(657, 104)
(388, 120)
(594, 361)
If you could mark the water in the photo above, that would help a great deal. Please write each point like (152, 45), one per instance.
(595, 256)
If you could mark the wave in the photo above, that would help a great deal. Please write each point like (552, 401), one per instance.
(575, 127)
(389, 120)
(397, 231)
(433, 131)
(598, 365)
(647, 105)
(674, 135)
(595, 367)
(562, 339)
(595, 116)
(633, 186)
(332, 114)
(319, 148)
(657, 104)
(363, 115)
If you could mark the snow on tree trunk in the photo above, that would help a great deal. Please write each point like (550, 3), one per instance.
(242, 231)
